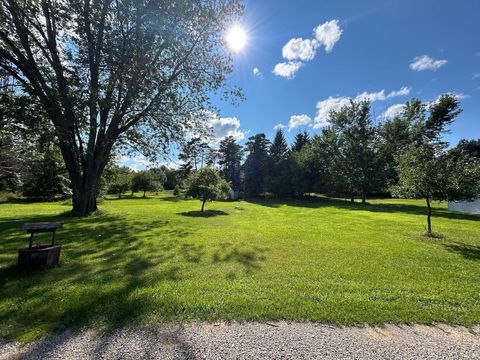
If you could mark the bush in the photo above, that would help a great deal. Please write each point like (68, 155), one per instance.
(176, 191)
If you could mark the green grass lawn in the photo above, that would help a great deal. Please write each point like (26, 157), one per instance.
(147, 261)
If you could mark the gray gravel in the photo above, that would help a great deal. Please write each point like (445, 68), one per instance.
(280, 340)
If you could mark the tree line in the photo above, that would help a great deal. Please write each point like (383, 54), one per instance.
(353, 157)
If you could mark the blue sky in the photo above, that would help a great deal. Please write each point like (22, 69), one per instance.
(387, 51)
(374, 51)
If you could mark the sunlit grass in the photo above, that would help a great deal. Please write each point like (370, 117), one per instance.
(148, 261)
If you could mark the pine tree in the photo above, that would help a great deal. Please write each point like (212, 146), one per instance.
(300, 140)
(279, 175)
(255, 167)
(230, 155)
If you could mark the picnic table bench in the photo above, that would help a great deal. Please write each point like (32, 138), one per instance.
(40, 255)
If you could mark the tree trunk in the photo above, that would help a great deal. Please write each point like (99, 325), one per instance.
(364, 198)
(85, 188)
(203, 204)
(352, 198)
(429, 215)
(84, 201)
(144, 193)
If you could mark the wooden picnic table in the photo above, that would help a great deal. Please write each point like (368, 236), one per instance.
(35, 228)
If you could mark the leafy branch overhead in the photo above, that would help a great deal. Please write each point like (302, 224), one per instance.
(113, 73)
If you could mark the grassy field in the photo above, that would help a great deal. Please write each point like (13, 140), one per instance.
(145, 261)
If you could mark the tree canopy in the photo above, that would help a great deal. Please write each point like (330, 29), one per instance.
(207, 184)
(109, 74)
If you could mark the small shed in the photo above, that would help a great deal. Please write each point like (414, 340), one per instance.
(233, 195)
(468, 207)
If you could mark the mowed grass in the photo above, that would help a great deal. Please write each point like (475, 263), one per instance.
(156, 260)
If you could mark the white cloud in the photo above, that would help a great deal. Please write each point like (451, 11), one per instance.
(476, 75)
(392, 111)
(460, 96)
(324, 108)
(299, 49)
(279, 126)
(288, 69)
(137, 162)
(380, 95)
(375, 96)
(225, 126)
(424, 62)
(328, 34)
(403, 91)
(257, 72)
(298, 120)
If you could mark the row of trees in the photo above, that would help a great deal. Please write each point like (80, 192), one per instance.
(34, 169)
(119, 180)
(353, 157)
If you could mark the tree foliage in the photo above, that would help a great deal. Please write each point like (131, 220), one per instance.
(207, 184)
(120, 180)
(148, 180)
(45, 177)
(256, 165)
(426, 170)
(115, 73)
(230, 155)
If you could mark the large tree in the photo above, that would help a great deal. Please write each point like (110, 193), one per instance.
(114, 72)
(230, 155)
(256, 165)
(426, 170)
(279, 179)
(356, 134)
(193, 155)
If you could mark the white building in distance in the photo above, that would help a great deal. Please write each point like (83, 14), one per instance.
(468, 207)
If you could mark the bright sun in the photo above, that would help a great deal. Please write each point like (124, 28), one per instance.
(236, 38)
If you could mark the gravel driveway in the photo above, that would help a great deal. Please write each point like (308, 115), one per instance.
(280, 340)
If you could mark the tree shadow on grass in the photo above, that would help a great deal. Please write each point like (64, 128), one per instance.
(205, 214)
(249, 259)
(469, 252)
(172, 198)
(317, 202)
(113, 272)
(105, 278)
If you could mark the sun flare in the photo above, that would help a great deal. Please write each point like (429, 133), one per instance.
(236, 38)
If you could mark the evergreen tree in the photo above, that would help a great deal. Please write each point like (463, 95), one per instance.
(469, 148)
(230, 156)
(279, 167)
(193, 155)
(300, 140)
(255, 166)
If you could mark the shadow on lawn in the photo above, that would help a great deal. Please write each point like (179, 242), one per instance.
(316, 202)
(112, 274)
(206, 213)
(469, 252)
(250, 259)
